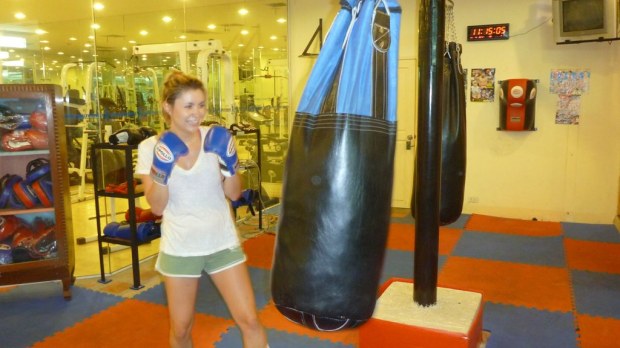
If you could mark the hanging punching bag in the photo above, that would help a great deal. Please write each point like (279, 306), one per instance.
(453, 141)
(453, 138)
(337, 188)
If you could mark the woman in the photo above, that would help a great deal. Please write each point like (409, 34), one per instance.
(187, 173)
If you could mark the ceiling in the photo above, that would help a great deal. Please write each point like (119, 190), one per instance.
(67, 25)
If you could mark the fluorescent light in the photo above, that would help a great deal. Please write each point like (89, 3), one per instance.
(4, 55)
(243, 11)
(15, 63)
(20, 15)
(12, 41)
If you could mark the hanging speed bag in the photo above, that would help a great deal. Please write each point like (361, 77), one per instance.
(453, 138)
(337, 188)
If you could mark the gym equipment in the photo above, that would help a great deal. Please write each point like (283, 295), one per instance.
(145, 230)
(337, 190)
(517, 105)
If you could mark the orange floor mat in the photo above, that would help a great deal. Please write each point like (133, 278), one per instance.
(119, 326)
(592, 256)
(486, 223)
(402, 237)
(272, 319)
(260, 251)
(597, 332)
(540, 287)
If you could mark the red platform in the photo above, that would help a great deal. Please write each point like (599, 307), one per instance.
(455, 321)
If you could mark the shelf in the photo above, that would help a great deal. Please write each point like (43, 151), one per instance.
(25, 211)
(103, 193)
(126, 242)
(24, 153)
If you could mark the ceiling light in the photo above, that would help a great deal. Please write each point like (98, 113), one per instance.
(244, 32)
(240, 45)
(182, 37)
(273, 37)
(98, 6)
(85, 51)
(281, 20)
(20, 15)
(91, 37)
(12, 41)
(46, 48)
(61, 53)
(144, 32)
(132, 42)
(40, 32)
(243, 11)
(95, 26)
(72, 39)
(44, 41)
(211, 26)
(87, 45)
(167, 19)
(124, 48)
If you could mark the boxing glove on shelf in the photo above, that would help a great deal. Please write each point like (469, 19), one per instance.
(221, 142)
(167, 151)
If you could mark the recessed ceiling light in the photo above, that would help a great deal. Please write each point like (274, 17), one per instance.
(243, 11)
(132, 41)
(95, 26)
(281, 20)
(240, 45)
(40, 32)
(72, 39)
(273, 37)
(124, 48)
(211, 26)
(183, 37)
(167, 19)
(61, 53)
(46, 48)
(98, 6)
(20, 15)
(44, 41)
(144, 32)
(244, 32)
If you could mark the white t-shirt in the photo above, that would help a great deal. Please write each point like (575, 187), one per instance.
(197, 219)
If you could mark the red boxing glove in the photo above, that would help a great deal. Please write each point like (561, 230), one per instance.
(38, 120)
(16, 141)
(8, 226)
(38, 139)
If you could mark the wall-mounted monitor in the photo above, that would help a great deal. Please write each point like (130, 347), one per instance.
(585, 20)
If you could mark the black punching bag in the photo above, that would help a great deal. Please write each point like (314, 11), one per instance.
(453, 138)
(337, 188)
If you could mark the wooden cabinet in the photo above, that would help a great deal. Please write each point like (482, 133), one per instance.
(36, 235)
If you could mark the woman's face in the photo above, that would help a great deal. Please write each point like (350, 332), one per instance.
(187, 112)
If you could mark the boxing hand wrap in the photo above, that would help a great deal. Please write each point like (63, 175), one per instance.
(167, 151)
(219, 141)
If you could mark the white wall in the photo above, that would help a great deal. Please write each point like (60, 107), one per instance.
(557, 173)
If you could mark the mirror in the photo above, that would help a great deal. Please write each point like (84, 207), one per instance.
(111, 57)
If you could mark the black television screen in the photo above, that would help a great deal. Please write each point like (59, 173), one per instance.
(580, 15)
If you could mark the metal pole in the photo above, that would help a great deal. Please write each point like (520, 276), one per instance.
(428, 160)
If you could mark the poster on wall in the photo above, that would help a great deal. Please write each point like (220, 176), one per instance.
(482, 85)
(569, 85)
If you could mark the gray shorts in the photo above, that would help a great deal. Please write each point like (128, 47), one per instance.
(193, 266)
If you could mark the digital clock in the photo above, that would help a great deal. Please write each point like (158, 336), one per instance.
(488, 32)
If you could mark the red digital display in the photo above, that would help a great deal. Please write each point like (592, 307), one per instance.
(488, 32)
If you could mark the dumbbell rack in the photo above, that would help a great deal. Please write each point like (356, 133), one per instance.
(131, 195)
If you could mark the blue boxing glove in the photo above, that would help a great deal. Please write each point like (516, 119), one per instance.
(220, 141)
(167, 151)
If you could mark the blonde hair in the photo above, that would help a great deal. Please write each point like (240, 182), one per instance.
(176, 83)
